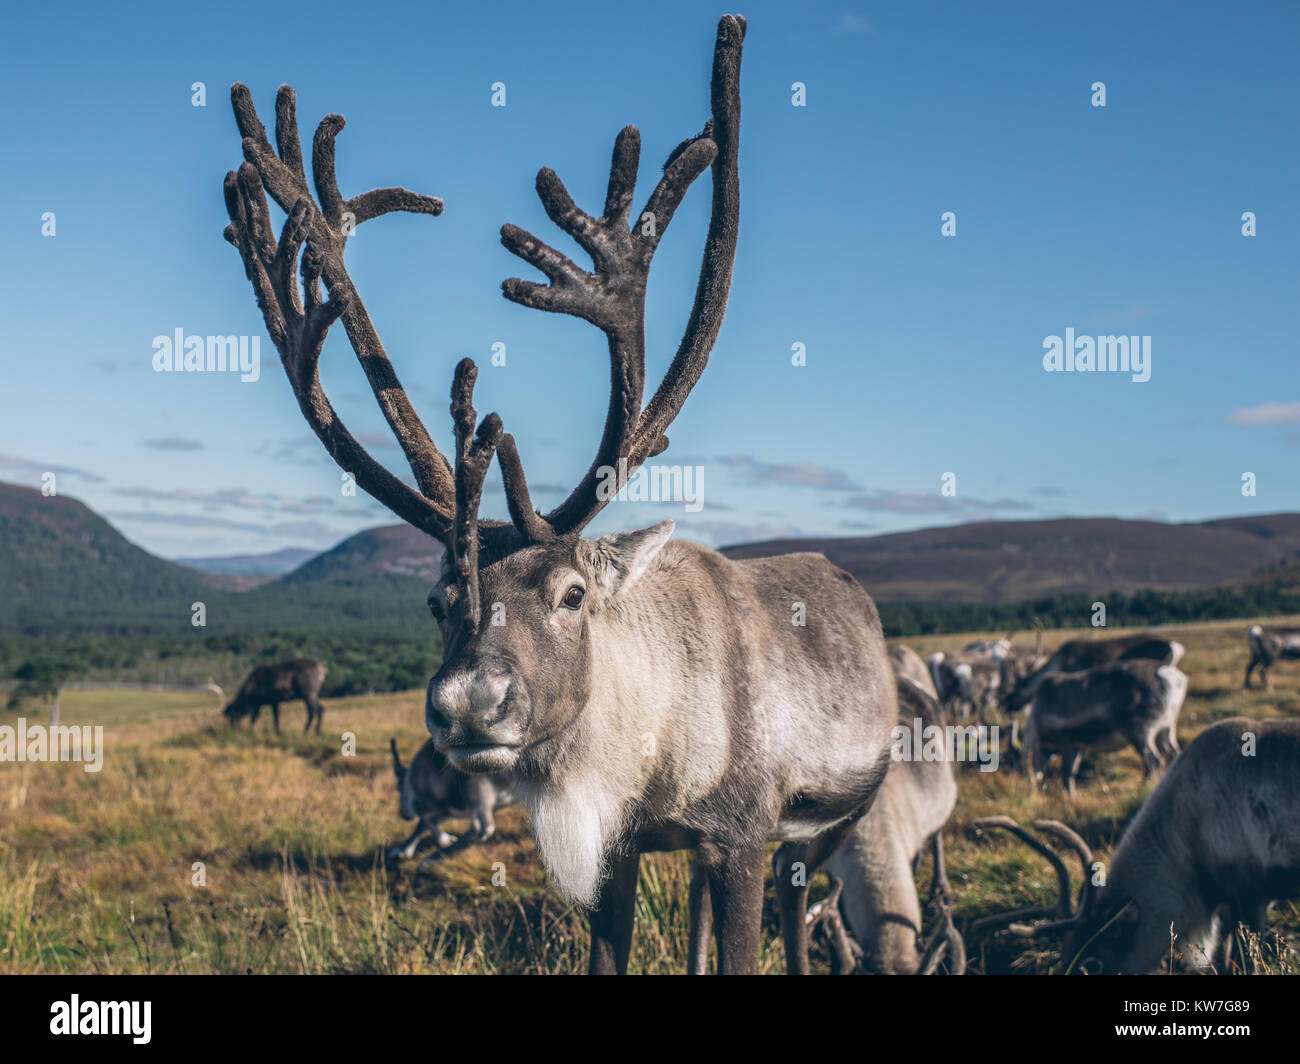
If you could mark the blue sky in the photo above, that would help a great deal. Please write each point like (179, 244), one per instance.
(924, 353)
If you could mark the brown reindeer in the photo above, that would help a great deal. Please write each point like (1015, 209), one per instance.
(640, 694)
(273, 684)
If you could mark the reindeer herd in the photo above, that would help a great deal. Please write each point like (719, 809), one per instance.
(637, 693)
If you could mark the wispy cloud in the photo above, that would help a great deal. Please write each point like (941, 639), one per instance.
(801, 474)
(11, 465)
(734, 532)
(175, 443)
(314, 533)
(1267, 414)
(929, 502)
(239, 500)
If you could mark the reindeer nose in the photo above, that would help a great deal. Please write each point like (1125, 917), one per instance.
(467, 701)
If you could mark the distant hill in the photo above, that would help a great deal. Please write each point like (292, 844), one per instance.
(398, 550)
(59, 559)
(65, 570)
(276, 563)
(1013, 561)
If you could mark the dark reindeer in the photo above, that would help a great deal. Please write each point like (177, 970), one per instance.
(642, 695)
(273, 684)
(1078, 655)
(430, 791)
(1134, 703)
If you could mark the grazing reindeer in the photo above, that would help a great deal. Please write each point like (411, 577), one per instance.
(429, 791)
(875, 863)
(907, 665)
(641, 695)
(1078, 655)
(1130, 702)
(1214, 844)
(1268, 645)
(273, 684)
(968, 682)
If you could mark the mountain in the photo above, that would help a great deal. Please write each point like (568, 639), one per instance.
(276, 563)
(398, 550)
(1013, 561)
(59, 560)
(64, 569)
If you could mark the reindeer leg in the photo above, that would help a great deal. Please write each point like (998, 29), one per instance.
(275, 716)
(697, 958)
(613, 916)
(736, 886)
(939, 885)
(320, 714)
(1070, 762)
(792, 885)
(482, 824)
(1151, 761)
(406, 850)
(1167, 743)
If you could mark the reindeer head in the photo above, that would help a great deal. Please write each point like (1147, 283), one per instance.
(517, 673)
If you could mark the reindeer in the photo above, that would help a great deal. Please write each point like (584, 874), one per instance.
(1268, 645)
(1078, 655)
(968, 682)
(1214, 844)
(640, 694)
(1133, 702)
(876, 863)
(273, 684)
(907, 664)
(429, 791)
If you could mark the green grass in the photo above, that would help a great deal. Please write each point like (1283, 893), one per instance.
(96, 870)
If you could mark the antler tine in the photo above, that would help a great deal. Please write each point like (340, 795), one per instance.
(1062, 906)
(297, 322)
(473, 458)
(1072, 840)
(720, 246)
(613, 296)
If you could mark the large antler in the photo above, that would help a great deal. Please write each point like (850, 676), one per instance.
(1066, 917)
(612, 296)
(317, 231)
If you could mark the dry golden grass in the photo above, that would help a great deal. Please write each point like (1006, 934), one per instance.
(97, 870)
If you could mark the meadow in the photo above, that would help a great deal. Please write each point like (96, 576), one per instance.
(199, 848)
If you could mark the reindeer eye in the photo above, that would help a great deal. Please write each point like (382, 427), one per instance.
(435, 607)
(572, 598)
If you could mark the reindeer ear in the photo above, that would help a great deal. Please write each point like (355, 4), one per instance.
(618, 560)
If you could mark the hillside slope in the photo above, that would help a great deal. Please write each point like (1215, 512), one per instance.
(1011, 561)
(58, 558)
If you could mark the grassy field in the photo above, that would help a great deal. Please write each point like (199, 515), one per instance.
(98, 870)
